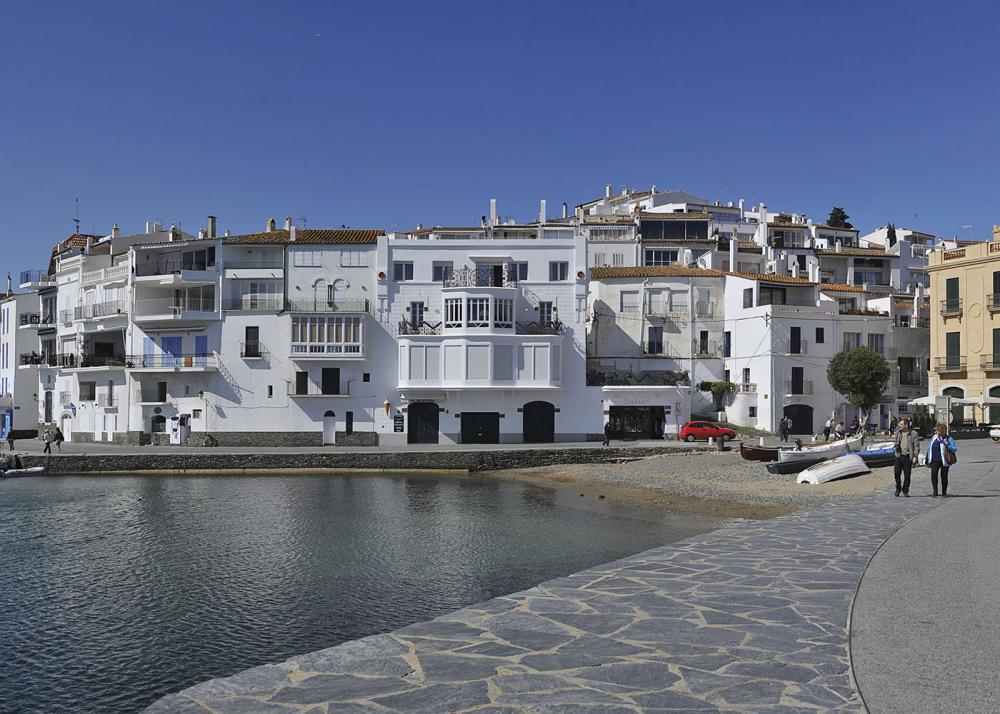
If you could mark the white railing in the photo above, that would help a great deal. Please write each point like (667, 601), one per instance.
(327, 349)
(746, 388)
(174, 306)
(104, 275)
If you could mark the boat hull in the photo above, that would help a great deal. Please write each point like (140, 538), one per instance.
(793, 467)
(830, 450)
(759, 453)
(841, 467)
(22, 473)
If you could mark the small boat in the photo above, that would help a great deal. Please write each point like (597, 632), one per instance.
(995, 433)
(793, 467)
(834, 448)
(876, 455)
(758, 453)
(18, 473)
(832, 469)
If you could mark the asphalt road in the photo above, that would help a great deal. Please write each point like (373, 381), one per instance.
(925, 633)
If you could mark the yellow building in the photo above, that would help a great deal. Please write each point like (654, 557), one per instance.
(965, 324)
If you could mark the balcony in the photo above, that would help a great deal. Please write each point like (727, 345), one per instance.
(911, 379)
(36, 279)
(419, 328)
(254, 303)
(526, 327)
(177, 272)
(34, 359)
(802, 348)
(327, 350)
(65, 399)
(175, 309)
(706, 350)
(746, 388)
(269, 267)
(659, 311)
(993, 302)
(105, 276)
(33, 320)
(798, 389)
(910, 321)
(482, 277)
(952, 307)
(314, 390)
(704, 309)
(112, 361)
(952, 363)
(991, 363)
(862, 312)
(353, 305)
(164, 362)
(658, 349)
(539, 327)
(253, 350)
(106, 402)
(113, 308)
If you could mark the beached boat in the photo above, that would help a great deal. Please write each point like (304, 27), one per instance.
(758, 453)
(841, 467)
(995, 433)
(834, 448)
(18, 473)
(793, 467)
(880, 454)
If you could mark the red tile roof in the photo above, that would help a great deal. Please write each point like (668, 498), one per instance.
(308, 236)
(652, 271)
(841, 288)
(856, 252)
(771, 278)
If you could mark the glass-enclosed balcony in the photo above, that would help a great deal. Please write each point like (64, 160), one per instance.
(35, 279)
(111, 308)
(328, 337)
(191, 305)
(177, 267)
(465, 363)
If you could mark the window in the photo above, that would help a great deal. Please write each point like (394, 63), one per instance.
(353, 258)
(546, 313)
(479, 312)
(402, 271)
(158, 424)
(307, 258)
(868, 276)
(302, 383)
(746, 375)
(770, 295)
(801, 259)
(349, 423)
(503, 312)
(852, 340)
(88, 392)
(416, 314)
(820, 335)
(703, 348)
(629, 300)
(598, 260)
(519, 271)
(270, 391)
(795, 340)
(558, 270)
(327, 335)
(661, 257)
(453, 312)
(442, 271)
(953, 351)
(727, 345)
(752, 412)
(366, 376)
(847, 304)
(251, 344)
(748, 297)
(654, 342)
(952, 302)
(877, 343)
(618, 259)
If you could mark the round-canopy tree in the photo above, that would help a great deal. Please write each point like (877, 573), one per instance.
(861, 375)
(719, 392)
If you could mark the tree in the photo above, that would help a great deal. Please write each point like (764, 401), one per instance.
(890, 235)
(861, 375)
(719, 392)
(838, 218)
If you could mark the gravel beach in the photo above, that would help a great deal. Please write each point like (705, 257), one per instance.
(708, 482)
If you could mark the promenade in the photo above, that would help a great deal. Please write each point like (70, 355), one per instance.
(756, 616)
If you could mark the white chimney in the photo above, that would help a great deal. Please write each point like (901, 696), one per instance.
(795, 269)
(201, 233)
(10, 285)
(288, 223)
(493, 212)
(153, 227)
(174, 233)
(227, 233)
(565, 210)
(838, 246)
(270, 225)
(733, 250)
(90, 246)
(291, 233)
(211, 226)
(541, 211)
(607, 190)
(740, 204)
(652, 190)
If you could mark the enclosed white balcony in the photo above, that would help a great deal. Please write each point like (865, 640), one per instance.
(501, 362)
(193, 305)
(195, 266)
(328, 337)
(105, 276)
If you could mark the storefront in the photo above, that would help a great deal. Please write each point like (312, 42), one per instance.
(646, 412)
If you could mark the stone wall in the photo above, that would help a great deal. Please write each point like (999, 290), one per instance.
(210, 459)
(357, 438)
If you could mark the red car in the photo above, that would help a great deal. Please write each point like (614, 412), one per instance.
(702, 430)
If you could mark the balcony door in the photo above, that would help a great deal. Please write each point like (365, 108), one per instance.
(795, 340)
(951, 287)
(173, 351)
(798, 382)
(331, 380)
(953, 349)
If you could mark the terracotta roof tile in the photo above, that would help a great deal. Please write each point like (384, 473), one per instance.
(692, 216)
(841, 288)
(652, 271)
(834, 228)
(749, 247)
(307, 236)
(771, 278)
(857, 252)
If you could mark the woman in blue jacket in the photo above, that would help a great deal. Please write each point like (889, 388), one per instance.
(939, 449)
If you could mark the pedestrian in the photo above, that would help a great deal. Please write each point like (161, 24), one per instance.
(827, 428)
(839, 430)
(854, 425)
(783, 429)
(607, 434)
(59, 439)
(907, 447)
(894, 424)
(941, 454)
(788, 426)
(47, 440)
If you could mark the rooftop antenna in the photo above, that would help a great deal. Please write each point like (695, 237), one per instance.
(77, 219)
(304, 220)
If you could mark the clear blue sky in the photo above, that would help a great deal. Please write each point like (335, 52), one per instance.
(388, 114)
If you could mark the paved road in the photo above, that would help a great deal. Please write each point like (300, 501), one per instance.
(925, 633)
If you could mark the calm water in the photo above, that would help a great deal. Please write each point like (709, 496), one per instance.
(117, 590)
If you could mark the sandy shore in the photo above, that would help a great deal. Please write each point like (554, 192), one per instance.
(710, 483)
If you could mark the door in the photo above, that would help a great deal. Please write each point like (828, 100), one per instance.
(201, 350)
(302, 383)
(422, 423)
(953, 350)
(329, 428)
(802, 418)
(416, 314)
(957, 412)
(173, 351)
(995, 408)
(798, 383)
(795, 340)
(331, 380)
(148, 350)
(497, 276)
(952, 300)
(480, 427)
(161, 391)
(539, 423)
(67, 427)
(48, 407)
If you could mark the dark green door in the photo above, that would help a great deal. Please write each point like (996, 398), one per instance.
(480, 427)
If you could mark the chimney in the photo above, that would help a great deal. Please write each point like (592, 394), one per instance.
(493, 212)
(838, 246)
(10, 286)
(211, 226)
(114, 231)
(90, 246)
(607, 190)
(291, 232)
(795, 269)
(565, 210)
(201, 233)
(153, 227)
(652, 190)
(270, 225)
(174, 233)
(733, 250)
(227, 233)
(541, 211)
(288, 223)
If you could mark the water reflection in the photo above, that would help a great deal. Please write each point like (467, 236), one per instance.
(117, 590)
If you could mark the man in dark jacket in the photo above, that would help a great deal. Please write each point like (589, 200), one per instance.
(907, 448)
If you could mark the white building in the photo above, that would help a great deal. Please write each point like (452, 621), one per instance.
(19, 323)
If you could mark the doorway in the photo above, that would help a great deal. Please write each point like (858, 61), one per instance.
(329, 428)
(802, 418)
(636, 422)
(480, 427)
(331, 380)
(67, 427)
(422, 423)
(538, 423)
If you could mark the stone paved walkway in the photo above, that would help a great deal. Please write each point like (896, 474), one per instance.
(751, 617)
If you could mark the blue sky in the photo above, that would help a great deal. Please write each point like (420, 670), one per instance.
(389, 114)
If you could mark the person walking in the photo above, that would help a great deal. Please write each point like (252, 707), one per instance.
(783, 429)
(607, 434)
(47, 440)
(941, 454)
(895, 424)
(907, 447)
(827, 428)
(59, 439)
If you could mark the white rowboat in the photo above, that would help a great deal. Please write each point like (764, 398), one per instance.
(15, 473)
(834, 448)
(840, 467)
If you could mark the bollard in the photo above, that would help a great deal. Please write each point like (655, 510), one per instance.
(721, 445)
(711, 440)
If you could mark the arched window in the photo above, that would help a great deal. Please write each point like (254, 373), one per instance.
(957, 412)
(338, 291)
(158, 424)
(320, 289)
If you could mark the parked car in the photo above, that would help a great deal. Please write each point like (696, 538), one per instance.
(702, 430)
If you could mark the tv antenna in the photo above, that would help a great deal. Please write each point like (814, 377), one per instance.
(304, 219)
(77, 219)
